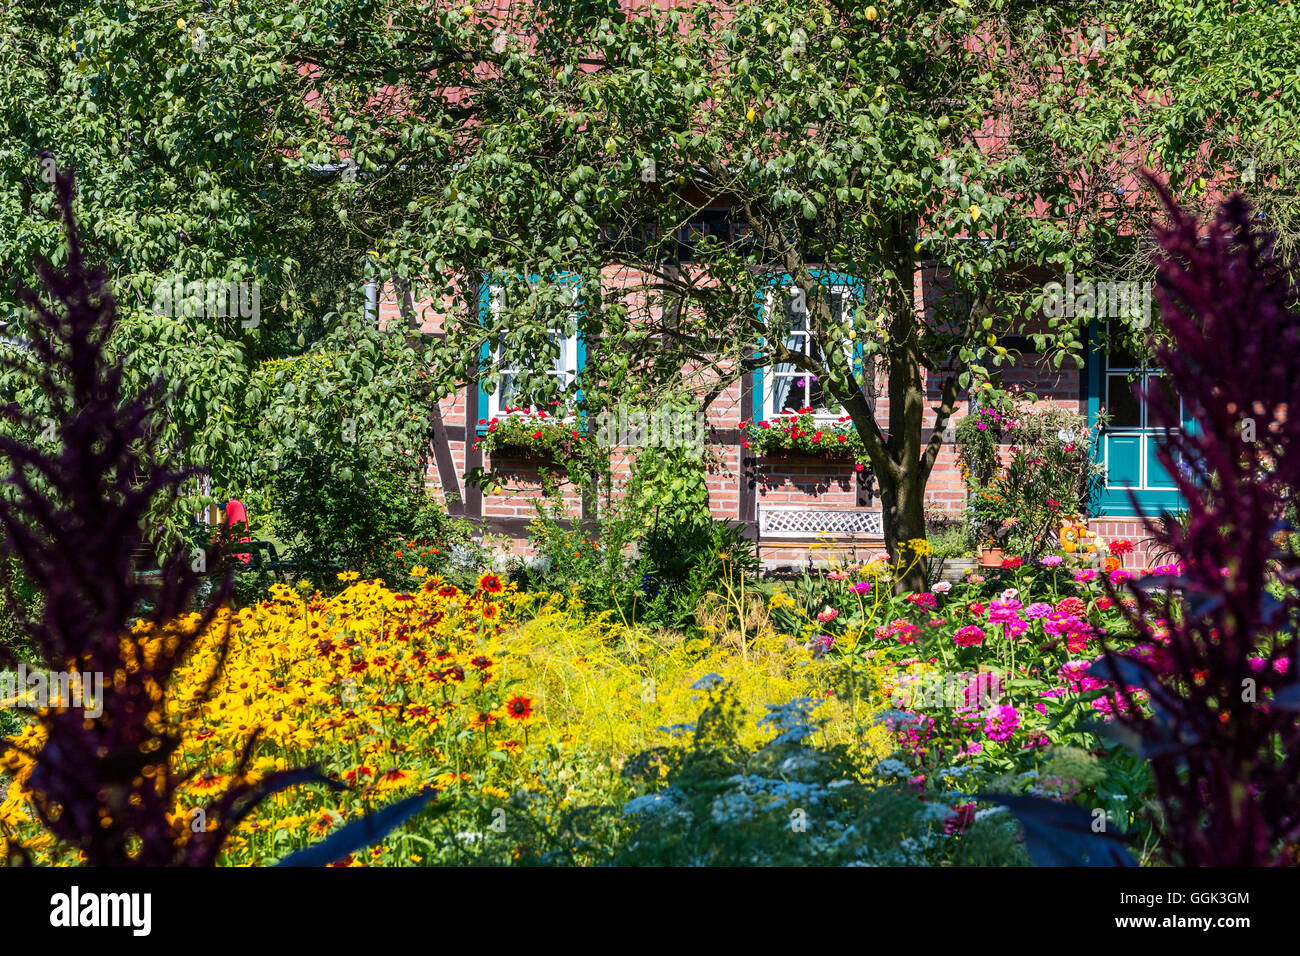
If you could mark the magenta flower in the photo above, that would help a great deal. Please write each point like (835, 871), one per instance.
(1059, 623)
(862, 587)
(963, 815)
(1002, 722)
(969, 636)
(1004, 612)
(1014, 628)
(1037, 610)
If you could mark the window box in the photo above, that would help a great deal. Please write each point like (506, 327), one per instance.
(533, 435)
(804, 434)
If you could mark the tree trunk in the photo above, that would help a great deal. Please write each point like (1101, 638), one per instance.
(904, 520)
(901, 462)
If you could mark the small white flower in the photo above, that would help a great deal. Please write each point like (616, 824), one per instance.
(1009, 594)
(942, 587)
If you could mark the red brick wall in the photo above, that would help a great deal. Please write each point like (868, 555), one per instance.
(1144, 553)
(781, 480)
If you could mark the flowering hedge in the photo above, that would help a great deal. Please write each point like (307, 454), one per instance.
(804, 433)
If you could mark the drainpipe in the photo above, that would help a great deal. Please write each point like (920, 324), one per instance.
(372, 292)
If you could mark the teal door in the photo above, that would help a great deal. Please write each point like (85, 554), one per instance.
(1128, 443)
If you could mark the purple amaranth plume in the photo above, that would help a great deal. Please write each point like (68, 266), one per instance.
(1221, 727)
(73, 518)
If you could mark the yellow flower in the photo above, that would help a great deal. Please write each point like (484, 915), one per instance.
(349, 575)
(920, 547)
(419, 571)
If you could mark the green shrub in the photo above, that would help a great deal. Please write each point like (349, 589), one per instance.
(652, 554)
(1052, 473)
(788, 802)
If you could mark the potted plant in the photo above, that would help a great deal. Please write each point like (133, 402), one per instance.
(992, 521)
(991, 556)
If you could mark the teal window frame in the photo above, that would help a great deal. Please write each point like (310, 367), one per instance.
(825, 277)
(1137, 444)
(485, 398)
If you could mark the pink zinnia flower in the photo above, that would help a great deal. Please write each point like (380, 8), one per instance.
(969, 636)
(827, 615)
(1002, 722)
(1004, 612)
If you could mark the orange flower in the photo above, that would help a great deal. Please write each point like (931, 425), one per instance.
(490, 584)
(1113, 563)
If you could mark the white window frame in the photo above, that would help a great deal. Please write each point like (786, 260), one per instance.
(842, 292)
(496, 407)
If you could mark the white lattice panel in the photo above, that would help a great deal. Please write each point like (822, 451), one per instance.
(811, 522)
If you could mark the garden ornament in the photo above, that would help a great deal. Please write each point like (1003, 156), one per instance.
(1076, 538)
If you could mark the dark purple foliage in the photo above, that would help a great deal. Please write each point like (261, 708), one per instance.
(74, 519)
(1221, 727)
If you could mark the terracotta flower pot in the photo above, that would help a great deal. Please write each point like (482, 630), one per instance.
(991, 558)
